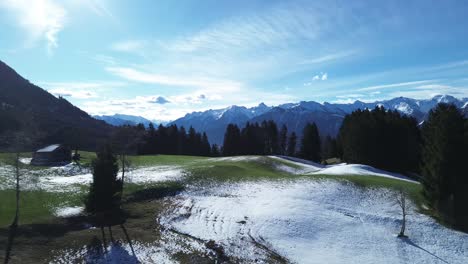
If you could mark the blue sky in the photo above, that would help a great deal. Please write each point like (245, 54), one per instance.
(163, 59)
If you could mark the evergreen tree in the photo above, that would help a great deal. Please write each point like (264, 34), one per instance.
(291, 151)
(182, 141)
(283, 140)
(205, 148)
(445, 181)
(232, 141)
(310, 143)
(215, 151)
(104, 193)
(380, 138)
(330, 148)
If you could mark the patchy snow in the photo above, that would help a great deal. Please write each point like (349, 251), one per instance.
(155, 174)
(312, 221)
(359, 169)
(68, 178)
(26, 161)
(309, 167)
(236, 158)
(404, 108)
(68, 211)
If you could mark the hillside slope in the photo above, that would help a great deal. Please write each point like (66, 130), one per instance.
(41, 116)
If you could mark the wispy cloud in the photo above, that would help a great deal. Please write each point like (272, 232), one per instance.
(393, 85)
(79, 90)
(329, 57)
(430, 90)
(154, 78)
(72, 93)
(42, 19)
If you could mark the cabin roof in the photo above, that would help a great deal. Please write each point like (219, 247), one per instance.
(50, 148)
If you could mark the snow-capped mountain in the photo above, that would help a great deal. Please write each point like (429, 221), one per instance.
(120, 120)
(327, 116)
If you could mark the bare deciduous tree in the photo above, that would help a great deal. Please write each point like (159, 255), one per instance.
(402, 201)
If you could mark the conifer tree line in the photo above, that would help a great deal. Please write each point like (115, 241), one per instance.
(267, 139)
(174, 140)
(380, 138)
(170, 140)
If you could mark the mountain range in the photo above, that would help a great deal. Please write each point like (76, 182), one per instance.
(121, 120)
(327, 116)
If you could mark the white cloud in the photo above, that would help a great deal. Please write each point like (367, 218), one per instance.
(319, 77)
(42, 19)
(324, 77)
(81, 85)
(431, 90)
(392, 85)
(329, 57)
(73, 93)
(79, 90)
(154, 78)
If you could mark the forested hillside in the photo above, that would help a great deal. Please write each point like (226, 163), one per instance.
(33, 117)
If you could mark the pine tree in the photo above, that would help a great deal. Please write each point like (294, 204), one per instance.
(291, 150)
(215, 151)
(443, 164)
(283, 140)
(232, 141)
(380, 138)
(104, 193)
(330, 148)
(310, 143)
(206, 148)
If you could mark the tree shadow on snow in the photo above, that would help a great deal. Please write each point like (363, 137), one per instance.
(98, 251)
(411, 243)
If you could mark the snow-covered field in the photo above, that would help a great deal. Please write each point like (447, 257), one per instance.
(300, 219)
(312, 221)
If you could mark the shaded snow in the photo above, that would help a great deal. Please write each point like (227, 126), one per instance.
(313, 221)
(131, 251)
(309, 167)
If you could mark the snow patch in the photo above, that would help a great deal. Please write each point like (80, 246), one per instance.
(309, 167)
(68, 211)
(26, 161)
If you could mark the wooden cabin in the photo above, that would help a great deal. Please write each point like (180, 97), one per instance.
(53, 155)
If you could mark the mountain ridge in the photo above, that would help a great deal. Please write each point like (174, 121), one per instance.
(328, 116)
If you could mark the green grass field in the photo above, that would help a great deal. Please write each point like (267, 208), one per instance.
(38, 205)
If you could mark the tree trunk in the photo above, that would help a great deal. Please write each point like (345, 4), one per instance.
(403, 227)
(123, 168)
(17, 174)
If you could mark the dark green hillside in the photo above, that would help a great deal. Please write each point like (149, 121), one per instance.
(27, 108)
